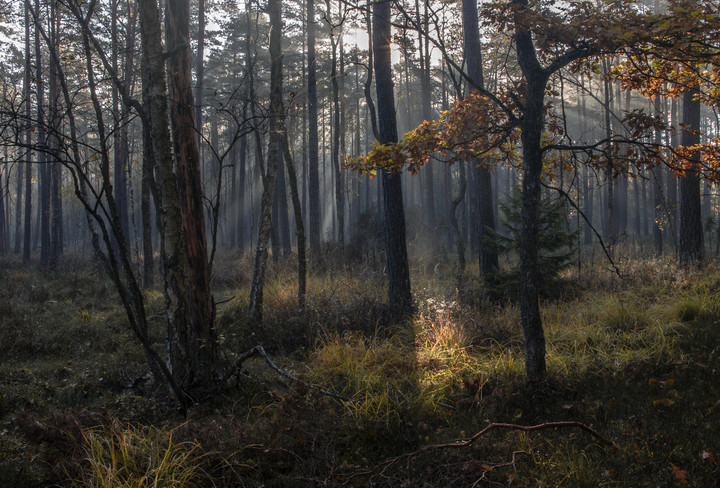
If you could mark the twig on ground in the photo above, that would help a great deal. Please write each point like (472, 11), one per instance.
(260, 351)
(384, 465)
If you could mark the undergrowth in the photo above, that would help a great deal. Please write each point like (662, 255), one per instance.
(635, 357)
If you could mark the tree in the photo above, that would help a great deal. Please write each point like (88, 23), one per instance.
(196, 335)
(276, 114)
(399, 293)
(28, 166)
(56, 176)
(313, 158)
(120, 139)
(488, 259)
(335, 40)
(691, 229)
(43, 168)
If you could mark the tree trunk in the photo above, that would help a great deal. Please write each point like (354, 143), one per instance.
(242, 162)
(201, 345)
(671, 183)
(399, 294)
(297, 208)
(611, 223)
(281, 222)
(691, 231)
(3, 214)
(147, 194)
(276, 113)
(532, 127)
(485, 218)
(19, 199)
(56, 237)
(659, 212)
(313, 155)
(121, 142)
(27, 243)
(200, 70)
(337, 129)
(43, 168)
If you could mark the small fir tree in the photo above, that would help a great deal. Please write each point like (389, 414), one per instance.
(556, 243)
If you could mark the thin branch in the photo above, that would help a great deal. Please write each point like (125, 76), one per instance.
(260, 351)
(605, 249)
(460, 443)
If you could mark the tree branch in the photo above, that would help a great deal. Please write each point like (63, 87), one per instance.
(460, 443)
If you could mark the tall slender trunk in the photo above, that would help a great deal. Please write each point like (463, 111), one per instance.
(122, 139)
(313, 154)
(56, 237)
(27, 233)
(276, 113)
(200, 70)
(484, 221)
(609, 174)
(242, 171)
(671, 183)
(691, 231)
(532, 127)
(297, 208)
(335, 39)
(19, 200)
(147, 192)
(43, 168)
(427, 176)
(399, 292)
(659, 212)
(4, 190)
(281, 222)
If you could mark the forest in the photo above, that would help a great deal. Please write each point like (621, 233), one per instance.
(294, 243)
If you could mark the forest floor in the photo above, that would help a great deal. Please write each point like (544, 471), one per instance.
(635, 358)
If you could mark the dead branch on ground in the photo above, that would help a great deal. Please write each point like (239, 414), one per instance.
(460, 443)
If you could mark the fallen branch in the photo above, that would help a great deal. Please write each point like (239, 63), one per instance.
(260, 351)
(384, 465)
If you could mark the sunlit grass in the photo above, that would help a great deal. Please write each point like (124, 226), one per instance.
(125, 456)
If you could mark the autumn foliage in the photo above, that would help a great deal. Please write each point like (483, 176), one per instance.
(656, 54)
(474, 128)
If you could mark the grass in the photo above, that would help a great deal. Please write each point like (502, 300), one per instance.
(126, 456)
(636, 358)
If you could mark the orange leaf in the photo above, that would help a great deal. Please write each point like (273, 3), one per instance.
(680, 474)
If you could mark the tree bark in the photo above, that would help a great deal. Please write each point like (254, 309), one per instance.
(337, 128)
(532, 127)
(658, 200)
(427, 175)
(313, 155)
(27, 232)
(43, 169)
(485, 218)
(297, 212)
(691, 231)
(399, 293)
(120, 137)
(255, 312)
(199, 312)
(56, 210)
(200, 70)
